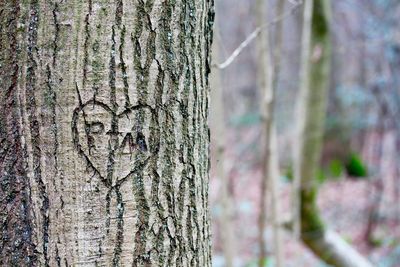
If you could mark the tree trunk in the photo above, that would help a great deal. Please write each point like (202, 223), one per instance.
(327, 245)
(268, 61)
(103, 133)
(274, 159)
(265, 82)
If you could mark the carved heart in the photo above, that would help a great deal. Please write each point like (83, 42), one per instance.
(108, 141)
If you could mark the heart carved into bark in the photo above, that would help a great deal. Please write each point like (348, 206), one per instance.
(111, 142)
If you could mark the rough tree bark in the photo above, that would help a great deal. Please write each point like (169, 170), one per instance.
(326, 244)
(103, 132)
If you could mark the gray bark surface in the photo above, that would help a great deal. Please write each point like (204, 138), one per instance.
(104, 134)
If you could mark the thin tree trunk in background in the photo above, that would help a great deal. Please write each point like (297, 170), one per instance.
(275, 173)
(278, 43)
(219, 136)
(326, 244)
(103, 133)
(301, 105)
(265, 73)
(274, 196)
(268, 60)
(377, 183)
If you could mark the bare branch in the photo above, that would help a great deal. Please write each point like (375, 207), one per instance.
(255, 33)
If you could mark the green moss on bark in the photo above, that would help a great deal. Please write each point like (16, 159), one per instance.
(312, 226)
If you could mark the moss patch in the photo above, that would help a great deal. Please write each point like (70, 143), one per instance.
(355, 166)
(312, 226)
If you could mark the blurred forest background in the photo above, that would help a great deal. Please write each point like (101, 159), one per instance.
(358, 174)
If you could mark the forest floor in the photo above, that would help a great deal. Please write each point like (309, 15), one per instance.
(344, 205)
